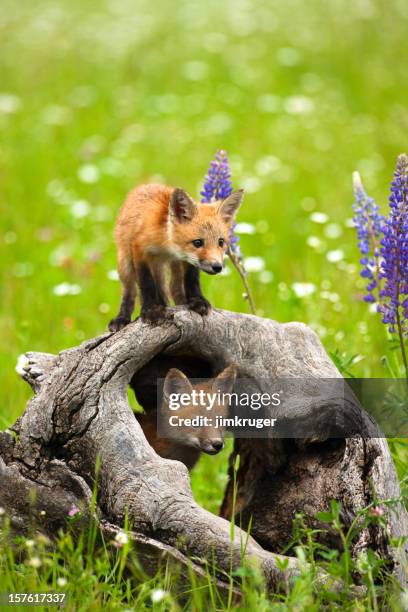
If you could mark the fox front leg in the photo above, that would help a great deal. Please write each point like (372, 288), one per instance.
(152, 295)
(127, 275)
(194, 298)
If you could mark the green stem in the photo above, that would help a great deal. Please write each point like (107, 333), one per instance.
(241, 271)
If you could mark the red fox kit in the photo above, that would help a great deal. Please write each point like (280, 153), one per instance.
(159, 227)
(184, 442)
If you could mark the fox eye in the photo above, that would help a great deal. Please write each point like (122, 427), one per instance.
(198, 243)
(221, 242)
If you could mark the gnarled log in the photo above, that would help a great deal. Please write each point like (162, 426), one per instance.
(80, 415)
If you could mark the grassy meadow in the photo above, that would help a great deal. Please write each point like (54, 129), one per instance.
(96, 97)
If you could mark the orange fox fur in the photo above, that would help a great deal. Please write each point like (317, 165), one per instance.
(161, 227)
(183, 442)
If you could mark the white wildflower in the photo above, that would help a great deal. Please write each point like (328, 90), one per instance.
(66, 289)
(80, 209)
(9, 103)
(112, 275)
(314, 242)
(121, 538)
(333, 230)
(265, 277)
(302, 290)
(254, 264)
(244, 228)
(335, 256)
(299, 105)
(157, 595)
(61, 582)
(35, 562)
(319, 217)
(88, 173)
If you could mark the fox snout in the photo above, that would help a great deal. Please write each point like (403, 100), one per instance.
(212, 447)
(214, 267)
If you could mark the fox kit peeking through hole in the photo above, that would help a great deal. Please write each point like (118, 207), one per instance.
(182, 441)
(160, 227)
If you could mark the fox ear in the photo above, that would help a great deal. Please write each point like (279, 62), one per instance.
(229, 207)
(226, 380)
(182, 208)
(176, 382)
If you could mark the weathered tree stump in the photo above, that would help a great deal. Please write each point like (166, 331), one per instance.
(80, 413)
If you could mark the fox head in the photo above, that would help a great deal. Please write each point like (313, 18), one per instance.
(209, 439)
(200, 232)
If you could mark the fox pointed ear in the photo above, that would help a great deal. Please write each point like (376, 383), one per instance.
(176, 383)
(224, 383)
(229, 207)
(182, 208)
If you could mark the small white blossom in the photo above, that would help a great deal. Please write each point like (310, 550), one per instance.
(254, 264)
(314, 242)
(299, 105)
(88, 173)
(157, 595)
(2, 511)
(30, 543)
(121, 538)
(80, 209)
(35, 562)
(244, 228)
(302, 290)
(66, 289)
(333, 230)
(265, 277)
(319, 217)
(9, 103)
(335, 256)
(113, 275)
(61, 582)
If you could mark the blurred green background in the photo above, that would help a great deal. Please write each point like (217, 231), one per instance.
(98, 96)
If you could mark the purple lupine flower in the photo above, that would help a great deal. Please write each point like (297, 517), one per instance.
(369, 224)
(217, 183)
(394, 253)
(218, 186)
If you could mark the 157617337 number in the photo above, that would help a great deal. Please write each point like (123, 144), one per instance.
(32, 599)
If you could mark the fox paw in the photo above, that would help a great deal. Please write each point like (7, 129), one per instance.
(199, 305)
(118, 323)
(155, 315)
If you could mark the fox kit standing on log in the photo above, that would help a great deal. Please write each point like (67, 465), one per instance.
(183, 441)
(159, 227)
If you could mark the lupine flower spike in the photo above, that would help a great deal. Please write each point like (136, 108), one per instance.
(383, 243)
(218, 186)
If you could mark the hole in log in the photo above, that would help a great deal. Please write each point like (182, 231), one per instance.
(306, 482)
(144, 381)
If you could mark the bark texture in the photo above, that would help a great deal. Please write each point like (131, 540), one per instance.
(80, 414)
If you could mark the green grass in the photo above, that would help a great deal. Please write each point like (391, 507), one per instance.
(299, 94)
